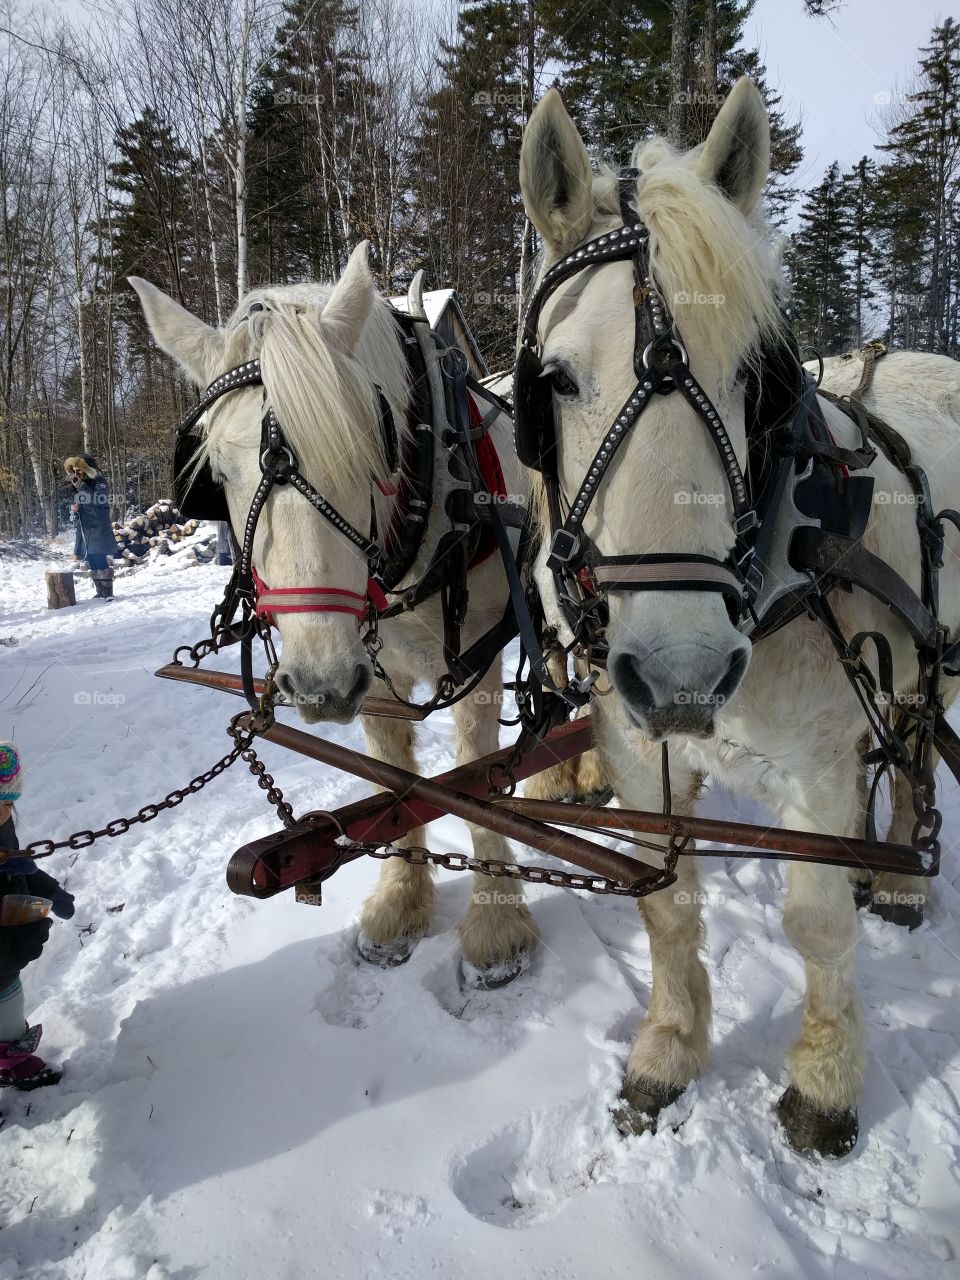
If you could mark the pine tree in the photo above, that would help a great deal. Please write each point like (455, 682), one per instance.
(860, 193)
(901, 217)
(616, 77)
(822, 304)
(151, 226)
(929, 136)
(468, 148)
(306, 121)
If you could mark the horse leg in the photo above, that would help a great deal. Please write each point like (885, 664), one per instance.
(580, 778)
(897, 898)
(498, 931)
(560, 780)
(827, 1063)
(396, 914)
(671, 1046)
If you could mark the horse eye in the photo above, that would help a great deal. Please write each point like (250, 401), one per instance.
(562, 383)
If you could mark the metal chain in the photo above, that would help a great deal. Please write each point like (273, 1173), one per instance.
(119, 826)
(419, 856)
(243, 735)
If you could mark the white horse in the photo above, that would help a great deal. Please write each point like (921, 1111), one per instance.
(789, 726)
(323, 351)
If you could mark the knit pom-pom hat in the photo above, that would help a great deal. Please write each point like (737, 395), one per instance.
(11, 774)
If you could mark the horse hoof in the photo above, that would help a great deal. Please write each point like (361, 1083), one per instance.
(832, 1134)
(909, 915)
(491, 977)
(862, 894)
(598, 798)
(385, 955)
(641, 1101)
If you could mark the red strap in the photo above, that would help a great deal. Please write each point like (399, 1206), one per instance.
(275, 600)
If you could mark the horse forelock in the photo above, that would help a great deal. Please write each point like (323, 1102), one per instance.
(324, 398)
(718, 271)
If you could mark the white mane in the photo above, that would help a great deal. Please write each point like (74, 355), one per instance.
(324, 399)
(718, 271)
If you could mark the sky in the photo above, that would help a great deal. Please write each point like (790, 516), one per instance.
(838, 73)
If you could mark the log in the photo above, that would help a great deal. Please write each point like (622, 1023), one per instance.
(60, 589)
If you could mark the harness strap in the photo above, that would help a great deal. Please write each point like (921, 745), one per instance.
(832, 555)
(659, 572)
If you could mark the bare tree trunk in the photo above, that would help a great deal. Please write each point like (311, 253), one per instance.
(708, 69)
(679, 72)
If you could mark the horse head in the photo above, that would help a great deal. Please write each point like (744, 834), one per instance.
(660, 494)
(326, 354)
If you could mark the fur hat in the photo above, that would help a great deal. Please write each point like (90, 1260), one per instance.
(82, 462)
(11, 774)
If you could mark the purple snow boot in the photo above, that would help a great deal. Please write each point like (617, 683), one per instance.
(20, 1068)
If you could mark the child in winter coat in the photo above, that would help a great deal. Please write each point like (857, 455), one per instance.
(20, 1067)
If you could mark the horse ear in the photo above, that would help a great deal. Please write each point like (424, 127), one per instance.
(736, 154)
(555, 176)
(349, 304)
(195, 346)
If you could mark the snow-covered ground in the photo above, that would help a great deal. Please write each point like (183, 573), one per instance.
(243, 1099)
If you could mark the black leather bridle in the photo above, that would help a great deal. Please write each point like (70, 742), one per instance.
(583, 576)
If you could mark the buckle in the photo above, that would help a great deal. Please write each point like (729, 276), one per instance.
(585, 683)
(563, 547)
(743, 524)
(753, 578)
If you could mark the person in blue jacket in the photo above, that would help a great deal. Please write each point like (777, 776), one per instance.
(20, 1066)
(94, 539)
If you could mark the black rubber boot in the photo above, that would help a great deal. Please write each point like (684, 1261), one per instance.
(103, 583)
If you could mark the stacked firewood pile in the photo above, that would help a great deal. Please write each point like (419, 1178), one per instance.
(158, 532)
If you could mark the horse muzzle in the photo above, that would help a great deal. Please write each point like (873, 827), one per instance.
(330, 701)
(677, 689)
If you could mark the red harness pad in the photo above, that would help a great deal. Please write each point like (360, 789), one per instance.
(492, 474)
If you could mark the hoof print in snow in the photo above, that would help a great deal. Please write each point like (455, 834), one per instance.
(810, 1132)
(472, 977)
(386, 955)
(908, 915)
(640, 1104)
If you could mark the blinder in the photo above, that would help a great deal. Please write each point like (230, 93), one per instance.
(195, 492)
(535, 431)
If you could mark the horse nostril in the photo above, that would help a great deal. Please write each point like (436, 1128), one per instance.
(630, 684)
(729, 683)
(286, 685)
